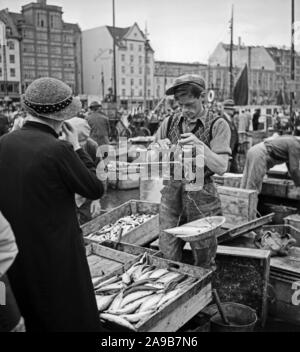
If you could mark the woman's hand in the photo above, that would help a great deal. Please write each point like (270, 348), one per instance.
(71, 135)
(95, 208)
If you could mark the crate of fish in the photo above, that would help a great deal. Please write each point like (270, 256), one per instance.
(152, 294)
(134, 222)
(105, 258)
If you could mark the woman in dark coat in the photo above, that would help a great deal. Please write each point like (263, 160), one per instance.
(39, 176)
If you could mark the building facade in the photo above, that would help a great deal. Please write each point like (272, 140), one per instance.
(10, 66)
(134, 64)
(48, 45)
(165, 72)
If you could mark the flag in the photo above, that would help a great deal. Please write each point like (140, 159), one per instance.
(240, 91)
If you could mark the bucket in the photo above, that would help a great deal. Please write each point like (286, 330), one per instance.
(241, 317)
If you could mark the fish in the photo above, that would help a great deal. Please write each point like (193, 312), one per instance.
(156, 285)
(134, 267)
(116, 302)
(173, 283)
(137, 273)
(141, 282)
(126, 278)
(146, 275)
(151, 302)
(117, 320)
(158, 273)
(134, 296)
(139, 289)
(107, 282)
(167, 297)
(114, 286)
(168, 277)
(135, 318)
(103, 302)
(129, 308)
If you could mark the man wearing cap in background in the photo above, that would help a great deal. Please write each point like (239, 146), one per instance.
(228, 114)
(100, 130)
(39, 176)
(192, 125)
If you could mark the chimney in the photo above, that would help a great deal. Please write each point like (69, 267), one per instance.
(240, 42)
(42, 2)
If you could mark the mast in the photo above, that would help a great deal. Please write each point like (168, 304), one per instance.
(292, 59)
(114, 55)
(230, 57)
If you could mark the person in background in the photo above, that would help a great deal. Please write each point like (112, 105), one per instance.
(263, 156)
(86, 208)
(228, 114)
(99, 123)
(19, 121)
(4, 123)
(255, 119)
(39, 177)
(10, 317)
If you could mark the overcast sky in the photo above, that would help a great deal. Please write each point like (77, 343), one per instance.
(184, 30)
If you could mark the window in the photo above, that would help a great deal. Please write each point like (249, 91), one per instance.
(56, 50)
(131, 58)
(140, 93)
(132, 82)
(140, 48)
(132, 92)
(131, 69)
(56, 74)
(11, 45)
(55, 37)
(149, 82)
(123, 92)
(140, 82)
(0, 58)
(12, 72)
(28, 61)
(41, 36)
(131, 46)
(0, 71)
(41, 19)
(28, 34)
(12, 59)
(140, 70)
(148, 70)
(68, 51)
(68, 38)
(67, 64)
(29, 74)
(123, 81)
(42, 73)
(28, 48)
(123, 57)
(69, 75)
(149, 92)
(123, 69)
(140, 59)
(42, 49)
(42, 62)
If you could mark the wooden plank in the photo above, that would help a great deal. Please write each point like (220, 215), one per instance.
(181, 313)
(290, 263)
(244, 252)
(235, 192)
(128, 248)
(224, 236)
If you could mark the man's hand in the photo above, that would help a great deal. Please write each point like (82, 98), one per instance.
(190, 138)
(95, 208)
(71, 135)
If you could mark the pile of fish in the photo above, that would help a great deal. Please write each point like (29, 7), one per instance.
(134, 296)
(113, 232)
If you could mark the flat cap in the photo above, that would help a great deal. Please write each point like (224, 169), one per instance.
(186, 79)
(228, 104)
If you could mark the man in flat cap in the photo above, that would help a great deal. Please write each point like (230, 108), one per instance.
(192, 125)
(99, 123)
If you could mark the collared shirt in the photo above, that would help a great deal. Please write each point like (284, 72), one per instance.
(220, 142)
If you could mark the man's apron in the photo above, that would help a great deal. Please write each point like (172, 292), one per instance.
(179, 206)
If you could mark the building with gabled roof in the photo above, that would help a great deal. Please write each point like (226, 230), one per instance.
(134, 64)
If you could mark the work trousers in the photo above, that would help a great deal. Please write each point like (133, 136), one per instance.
(178, 207)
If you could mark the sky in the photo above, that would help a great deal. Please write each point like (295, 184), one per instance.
(185, 30)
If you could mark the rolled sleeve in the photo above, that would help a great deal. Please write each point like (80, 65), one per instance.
(221, 134)
(161, 133)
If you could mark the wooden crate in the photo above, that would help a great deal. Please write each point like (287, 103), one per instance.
(181, 309)
(140, 235)
(285, 282)
(280, 188)
(228, 180)
(294, 221)
(238, 205)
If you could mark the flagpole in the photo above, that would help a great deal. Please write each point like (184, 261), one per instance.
(231, 54)
(292, 59)
(114, 54)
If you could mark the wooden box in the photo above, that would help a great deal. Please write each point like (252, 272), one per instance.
(228, 180)
(109, 256)
(181, 309)
(242, 276)
(285, 283)
(294, 221)
(238, 205)
(140, 235)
